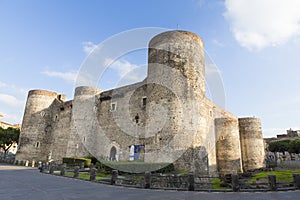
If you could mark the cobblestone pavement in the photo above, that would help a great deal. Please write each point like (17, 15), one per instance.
(27, 183)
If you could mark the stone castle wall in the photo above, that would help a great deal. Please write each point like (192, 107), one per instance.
(168, 113)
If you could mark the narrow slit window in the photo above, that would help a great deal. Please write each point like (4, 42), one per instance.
(144, 100)
(113, 106)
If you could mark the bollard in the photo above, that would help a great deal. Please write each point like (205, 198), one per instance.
(114, 177)
(191, 182)
(296, 178)
(33, 164)
(93, 174)
(272, 182)
(235, 183)
(63, 169)
(147, 180)
(76, 172)
(47, 165)
(82, 165)
(51, 171)
(41, 167)
(26, 163)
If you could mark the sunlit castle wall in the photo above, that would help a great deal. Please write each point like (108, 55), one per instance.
(176, 86)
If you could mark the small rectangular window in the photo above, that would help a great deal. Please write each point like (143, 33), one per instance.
(113, 106)
(144, 101)
(37, 145)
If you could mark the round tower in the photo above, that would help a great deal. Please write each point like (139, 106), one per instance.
(228, 145)
(175, 89)
(84, 121)
(252, 144)
(36, 125)
(182, 51)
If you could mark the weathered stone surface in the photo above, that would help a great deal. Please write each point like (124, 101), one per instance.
(167, 113)
(252, 145)
(228, 145)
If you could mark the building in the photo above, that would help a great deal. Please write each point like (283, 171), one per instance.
(165, 118)
(290, 135)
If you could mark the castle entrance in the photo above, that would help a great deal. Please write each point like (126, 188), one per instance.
(113, 153)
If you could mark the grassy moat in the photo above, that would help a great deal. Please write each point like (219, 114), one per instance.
(281, 176)
(134, 171)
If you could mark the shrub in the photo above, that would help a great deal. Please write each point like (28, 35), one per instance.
(77, 161)
(292, 146)
(93, 159)
(279, 146)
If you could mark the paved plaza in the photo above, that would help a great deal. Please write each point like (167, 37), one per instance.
(27, 183)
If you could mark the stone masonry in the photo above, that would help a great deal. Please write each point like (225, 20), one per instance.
(167, 114)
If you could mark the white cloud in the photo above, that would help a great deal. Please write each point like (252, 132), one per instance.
(273, 132)
(200, 3)
(88, 47)
(257, 24)
(218, 43)
(13, 88)
(67, 76)
(13, 117)
(11, 101)
(124, 69)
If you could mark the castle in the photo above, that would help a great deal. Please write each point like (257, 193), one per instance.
(165, 118)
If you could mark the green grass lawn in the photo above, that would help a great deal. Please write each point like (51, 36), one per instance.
(216, 184)
(281, 176)
(99, 176)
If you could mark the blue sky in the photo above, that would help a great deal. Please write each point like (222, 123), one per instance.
(255, 44)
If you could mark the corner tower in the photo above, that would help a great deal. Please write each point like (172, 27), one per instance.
(36, 125)
(252, 144)
(228, 145)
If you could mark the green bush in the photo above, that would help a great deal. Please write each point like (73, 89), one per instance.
(93, 159)
(279, 146)
(292, 146)
(77, 161)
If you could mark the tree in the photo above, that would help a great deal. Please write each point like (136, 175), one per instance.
(294, 146)
(8, 137)
(279, 146)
